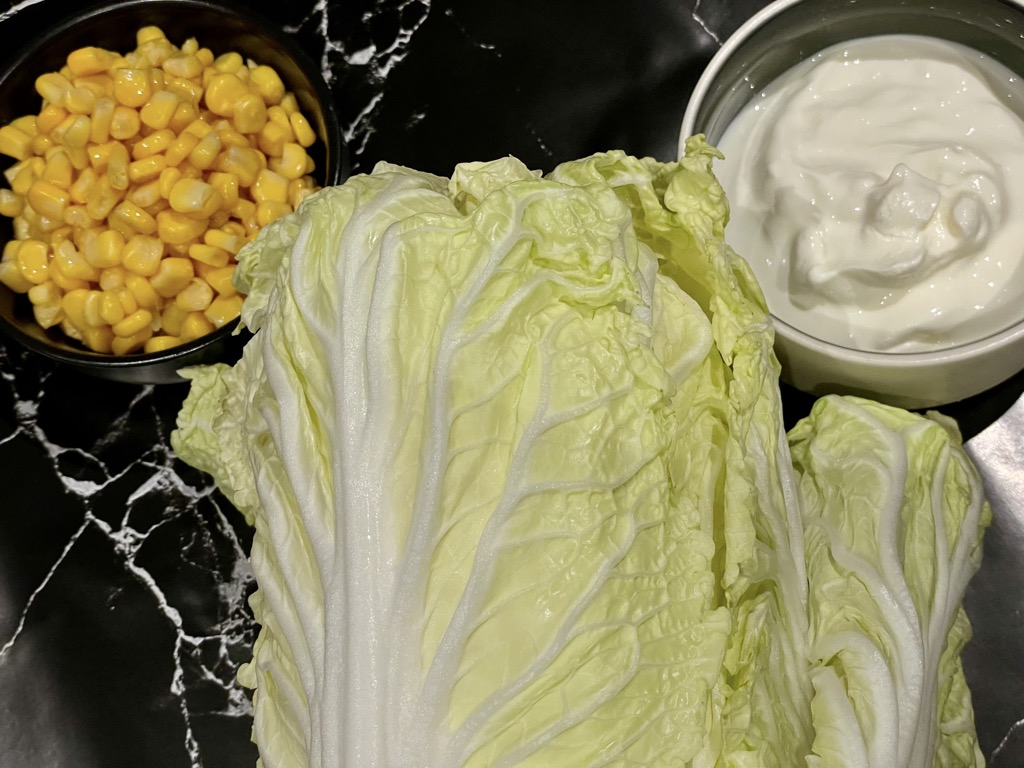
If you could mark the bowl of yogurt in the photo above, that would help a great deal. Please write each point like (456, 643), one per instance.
(874, 166)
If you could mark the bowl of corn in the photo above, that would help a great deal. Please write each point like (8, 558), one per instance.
(142, 145)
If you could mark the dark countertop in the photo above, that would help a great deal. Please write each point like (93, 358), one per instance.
(123, 579)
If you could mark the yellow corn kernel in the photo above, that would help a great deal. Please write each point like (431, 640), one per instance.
(145, 195)
(48, 199)
(127, 345)
(303, 131)
(184, 115)
(124, 123)
(142, 255)
(271, 210)
(50, 117)
(292, 162)
(81, 187)
(112, 278)
(195, 325)
(73, 304)
(45, 293)
(15, 142)
(41, 143)
(178, 229)
(26, 124)
(89, 61)
(270, 186)
(102, 199)
(157, 207)
(81, 100)
(159, 110)
(156, 142)
(180, 148)
(10, 275)
(229, 137)
(174, 273)
(73, 131)
(47, 315)
(224, 240)
(79, 157)
(134, 218)
(228, 63)
(223, 310)
(187, 90)
(11, 204)
(220, 279)
(102, 84)
(147, 169)
(135, 322)
(250, 114)
(172, 318)
(194, 196)
(160, 343)
(148, 34)
(139, 293)
(22, 174)
(223, 93)
(111, 309)
(58, 170)
(101, 119)
(298, 190)
(168, 178)
(227, 185)
(33, 258)
(157, 82)
(99, 339)
(289, 103)
(245, 212)
(64, 282)
(70, 263)
(105, 249)
(205, 152)
(196, 296)
(267, 84)
(244, 162)
(132, 86)
(209, 254)
(53, 87)
(188, 66)
(117, 166)
(272, 139)
(200, 127)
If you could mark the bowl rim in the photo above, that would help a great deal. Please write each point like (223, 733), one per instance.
(334, 173)
(953, 353)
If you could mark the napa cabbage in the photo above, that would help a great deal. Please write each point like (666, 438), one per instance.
(513, 451)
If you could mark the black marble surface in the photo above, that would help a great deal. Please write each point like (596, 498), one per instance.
(123, 579)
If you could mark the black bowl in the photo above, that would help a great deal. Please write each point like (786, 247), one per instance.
(219, 26)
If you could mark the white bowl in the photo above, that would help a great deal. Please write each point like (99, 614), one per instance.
(789, 31)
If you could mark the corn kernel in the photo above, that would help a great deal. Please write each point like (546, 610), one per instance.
(270, 210)
(220, 279)
(11, 204)
(112, 278)
(250, 114)
(194, 196)
(209, 254)
(270, 186)
(156, 142)
(81, 100)
(132, 86)
(178, 229)
(145, 195)
(50, 117)
(223, 93)
(147, 169)
(185, 89)
(302, 130)
(99, 339)
(172, 318)
(138, 293)
(33, 260)
(228, 63)
(272, 139)
(135, 322)
(292, 163)
(184, 115)
(53, 87)
(111, 309)
(101, 84)
(10, 275)
(102, 117)
(73, 131)
(142, 255)
(188, 66)
(148, 34)
(134, 218)
(41, 143)
(267, 84)
(195, 325)
(126, 345)
(48, 199)
(15, 142)
(241, 161)
(289, 103)
(79, 157)
(102, 199)
(172, 276)
(124, 123)
(168, 178)
(105, 249)
(196, 296)
(89, 61)
(206, 151)
(81, 188)
(229, 137)
(160, 343)
(64, 282)
(180, 148)
(70, 263)
(225, 240)
(58, 170)
(223, 310)
(117, 165)
(227, 185)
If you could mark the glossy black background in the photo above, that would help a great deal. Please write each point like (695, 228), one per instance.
(122, 575)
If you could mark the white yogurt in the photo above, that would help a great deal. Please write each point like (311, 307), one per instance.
(877, 191)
